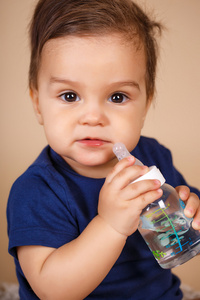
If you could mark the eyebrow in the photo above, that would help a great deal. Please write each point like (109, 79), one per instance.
(132, 83)
(127, 83)
(60, 80)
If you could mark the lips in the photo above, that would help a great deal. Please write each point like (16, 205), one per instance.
(93, 142)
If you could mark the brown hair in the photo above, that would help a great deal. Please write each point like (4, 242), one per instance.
(58, 18)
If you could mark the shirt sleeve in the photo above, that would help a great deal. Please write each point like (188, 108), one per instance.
(38, 211)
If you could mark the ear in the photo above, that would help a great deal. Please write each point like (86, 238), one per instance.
(35, 101)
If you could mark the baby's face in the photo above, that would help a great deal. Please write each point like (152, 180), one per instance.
(91, 94)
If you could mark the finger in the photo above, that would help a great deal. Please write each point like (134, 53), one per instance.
(196, 221)
(124, 173)
(145, 199)
(192, 206)
(124, 163)
(183, 191)
(140, 188)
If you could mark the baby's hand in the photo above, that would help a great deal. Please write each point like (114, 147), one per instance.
(121, 203)
(192, 209)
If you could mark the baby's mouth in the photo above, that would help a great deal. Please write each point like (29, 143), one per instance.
(92, 142)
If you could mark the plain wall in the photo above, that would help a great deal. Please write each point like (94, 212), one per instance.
(174, 119)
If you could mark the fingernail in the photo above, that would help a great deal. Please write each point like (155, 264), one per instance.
(145, 168)
(159, 191)
(130, 158)
(157, 182)
(196, 225)
(189, 213)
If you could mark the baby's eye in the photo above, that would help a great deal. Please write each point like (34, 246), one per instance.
(118, 98)
(70, 97)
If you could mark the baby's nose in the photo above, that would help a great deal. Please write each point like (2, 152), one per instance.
(93, 115)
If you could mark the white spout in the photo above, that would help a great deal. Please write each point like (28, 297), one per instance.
(121, 152)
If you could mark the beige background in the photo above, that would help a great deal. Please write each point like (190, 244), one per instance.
(174, 120)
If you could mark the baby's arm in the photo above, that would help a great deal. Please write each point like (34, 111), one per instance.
(74, 270)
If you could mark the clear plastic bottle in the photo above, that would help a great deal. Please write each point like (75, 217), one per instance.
(163, 224)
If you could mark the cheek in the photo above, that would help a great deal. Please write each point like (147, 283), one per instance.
(128, 129)
(57, 128)
(124, 131)
(130, 121)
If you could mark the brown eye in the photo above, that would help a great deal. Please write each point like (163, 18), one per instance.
(70, 97)
(118, 98)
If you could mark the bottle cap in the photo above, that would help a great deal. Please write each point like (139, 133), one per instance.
(154, 173)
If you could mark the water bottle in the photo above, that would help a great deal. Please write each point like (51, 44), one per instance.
(163, 224)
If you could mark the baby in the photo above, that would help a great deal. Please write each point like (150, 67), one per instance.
(73, 216)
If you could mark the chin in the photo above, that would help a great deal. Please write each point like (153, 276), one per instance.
(95, 160)
(89, 159)
(93, 163)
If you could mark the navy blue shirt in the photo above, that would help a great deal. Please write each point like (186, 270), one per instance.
(50, 205)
